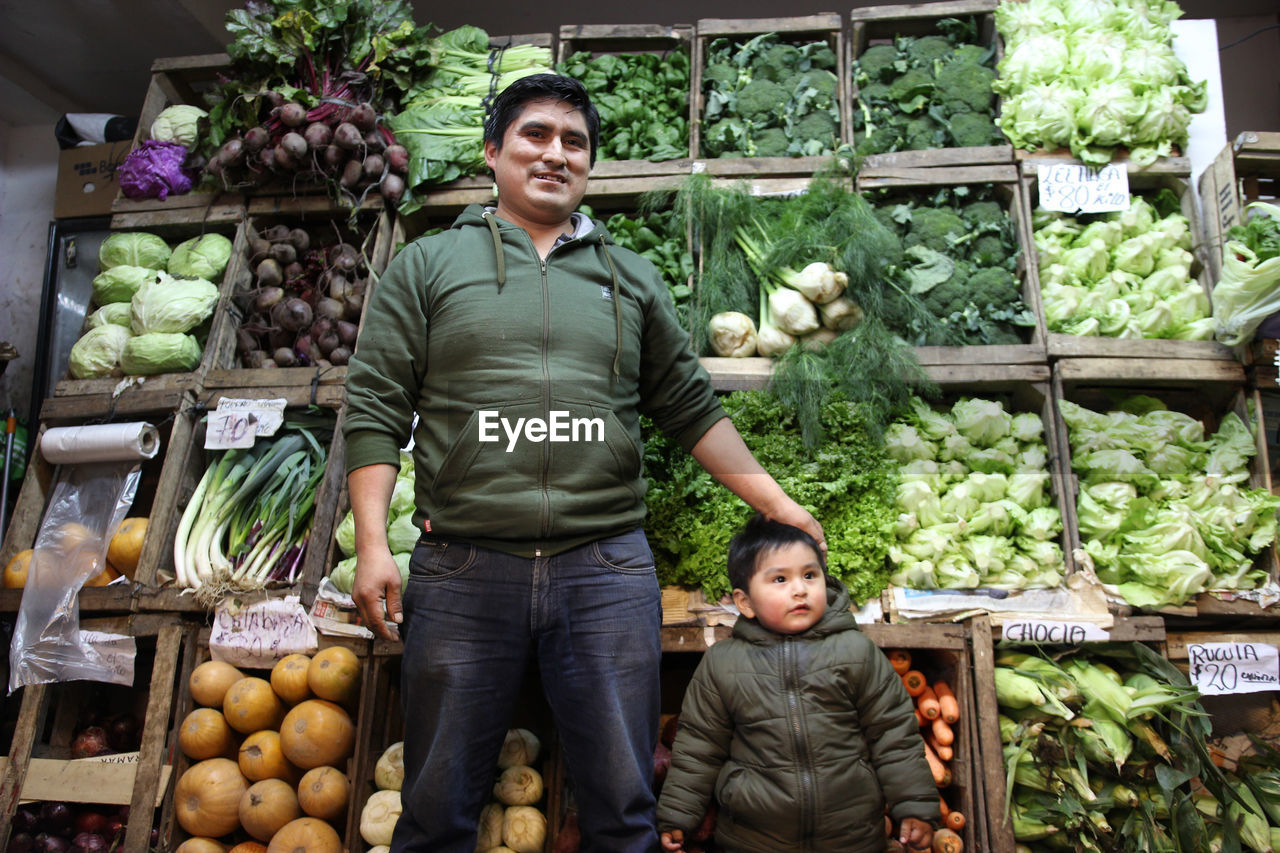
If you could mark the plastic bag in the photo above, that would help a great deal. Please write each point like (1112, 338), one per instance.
(1247, 293)
(87, 505)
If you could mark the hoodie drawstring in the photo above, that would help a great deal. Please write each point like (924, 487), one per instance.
(617, 312)
(498, 256)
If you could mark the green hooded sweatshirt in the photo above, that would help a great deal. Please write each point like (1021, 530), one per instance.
(528, 378)
(802, 739)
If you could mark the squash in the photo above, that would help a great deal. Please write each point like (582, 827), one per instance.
(251, 705)
(306, 835)
(204, 733)
(261, 757)
(104, 577)
(210, 682)
(388, 773)
(201, 845)
(207, 797)
(249, 847)
(315, 733)
(334, 674)
(267, 806)
(378, 819)
(125, 546)
(289, 678)
(15, 573)
(324, 792)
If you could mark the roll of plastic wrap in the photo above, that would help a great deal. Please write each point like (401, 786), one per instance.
(100, 443)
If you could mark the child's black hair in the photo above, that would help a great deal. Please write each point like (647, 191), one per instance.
(758, 536)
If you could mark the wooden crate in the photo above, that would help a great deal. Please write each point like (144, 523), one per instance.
(1005, 181)
(360, 710)
(871, 25)
(179, 80)
(631, 39)
(1204, 389)
(372, 234)
(39, 768)
(185, 465)
(1079, 346)
(799, 29)
(150, 500)
(990, 762)
(104, 395)
(1245, 170)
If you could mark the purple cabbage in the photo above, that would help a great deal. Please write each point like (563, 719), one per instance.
(154, 170)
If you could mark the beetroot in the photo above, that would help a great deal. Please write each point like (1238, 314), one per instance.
(256, 137)
(294, 143)
(292, 114)
(318, 135)
(347, 136)
(392, 188)
(363, 116)
(397, 158)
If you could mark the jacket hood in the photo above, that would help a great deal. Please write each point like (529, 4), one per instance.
(838, 617)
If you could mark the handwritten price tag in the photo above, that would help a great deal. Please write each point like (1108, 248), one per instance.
(1218, 668)
(237, 423)
(1053, 632)
(1073, 188)
(116, 652)
(257, 634)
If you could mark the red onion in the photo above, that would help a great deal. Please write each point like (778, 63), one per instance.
(90, 742)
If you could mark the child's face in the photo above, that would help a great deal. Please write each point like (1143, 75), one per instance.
(788, 592)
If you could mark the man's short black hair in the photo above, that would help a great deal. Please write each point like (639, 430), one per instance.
(759, 536)
(507, 107)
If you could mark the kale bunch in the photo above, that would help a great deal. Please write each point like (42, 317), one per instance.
(768, 98)
(643, 101)
(926, 92)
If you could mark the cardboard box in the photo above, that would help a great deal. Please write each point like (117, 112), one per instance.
(87, 179)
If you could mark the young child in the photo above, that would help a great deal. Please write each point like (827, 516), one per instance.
(797, 725)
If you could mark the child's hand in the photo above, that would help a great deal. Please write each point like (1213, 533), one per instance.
(915, 834)
(673, 840)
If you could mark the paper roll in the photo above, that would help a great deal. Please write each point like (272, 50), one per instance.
(100, 443)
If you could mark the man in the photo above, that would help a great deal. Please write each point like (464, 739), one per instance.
(527, 343)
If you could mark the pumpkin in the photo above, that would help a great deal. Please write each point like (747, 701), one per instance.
(251, 705)
(207, 797)
(210, 682)
(323, 792)
(249, 847)
(201, 845)
(205, 734)
(267, 806)
(261, 758)
(125, 546)
(104, 577)
(289, 678)
(334, 674)
(315, 733)
(15, 573)
(306, 835)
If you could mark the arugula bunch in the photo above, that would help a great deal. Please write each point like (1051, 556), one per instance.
(643, 101)
(847, 482)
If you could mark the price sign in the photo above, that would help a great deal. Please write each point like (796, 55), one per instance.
(257, 634)
(237, 423)
(1073, 188)
(116, 652)
(1218, 668)
(1049, 632)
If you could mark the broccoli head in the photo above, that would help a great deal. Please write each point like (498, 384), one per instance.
(917, 82)
(722, 74)
(723, 137)
(823, 81)
(935, 228)
(928, 48)
(974, 130)
(975, 53)
(965, 87)
(950, 296)
(923, 133)
(821, 56)
(770, 142)
(817, 125)
(874, 93)
(777, 62)
(993, 286)
(879, 141)
(760, 98)
(989, 250)
(984, 213)
(877, 62)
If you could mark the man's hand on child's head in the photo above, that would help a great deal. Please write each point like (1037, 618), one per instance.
(673, 840)
(915, 834)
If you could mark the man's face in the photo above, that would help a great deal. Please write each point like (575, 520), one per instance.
(541, 168)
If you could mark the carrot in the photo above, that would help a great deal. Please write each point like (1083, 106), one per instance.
(953, 821)
(947, 701)
(946, 753)
(942, 732)
(920, 720)
(943, 807)
(941, 775)
(946, 841)
(928, 702)
(888, 826)
(914, 681)
(901, 660)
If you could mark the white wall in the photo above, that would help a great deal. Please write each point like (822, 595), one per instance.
(28, 175)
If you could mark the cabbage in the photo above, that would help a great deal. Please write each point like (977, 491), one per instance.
(172, 304)
(154, 170)
(345, 534)
(112, 312)
(402, 534)
(134, 248)
(118, 284)
(343, 575)
(97, 352)
(201, 257)
(160, 352)
(179, 123)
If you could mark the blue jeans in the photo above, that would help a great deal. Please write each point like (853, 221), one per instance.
(472, 619)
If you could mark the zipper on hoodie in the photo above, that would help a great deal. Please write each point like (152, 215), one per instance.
(545, 453)
(791, 690)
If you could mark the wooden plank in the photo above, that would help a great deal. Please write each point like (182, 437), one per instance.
(619, 34)
(995, 375)
(1176, 648)
(1031, 161)
(896, 161)
(754, 26)
(135, 400)
(35, 703)
(982, 354)
(921, 177)
(1257, 153)
(229, 379)
(942, 9)
(1220, 207)
(153, 772)
(86, 780)
(1137, 370)
(738, 374)
(746, 167)
(999, 830)
(199, 62)
(1080, 346)
(140, 214)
